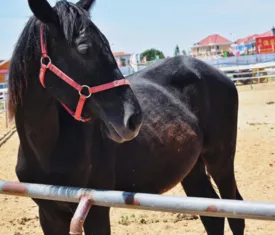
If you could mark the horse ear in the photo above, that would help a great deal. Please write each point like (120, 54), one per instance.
(85, 4)
(43, 11)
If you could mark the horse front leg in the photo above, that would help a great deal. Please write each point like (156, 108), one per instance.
(102, 178)
(54, 220)
(98, 221)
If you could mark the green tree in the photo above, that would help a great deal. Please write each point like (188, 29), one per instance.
(177, 51)
(184, 53)
(123, 61)
(152, 54)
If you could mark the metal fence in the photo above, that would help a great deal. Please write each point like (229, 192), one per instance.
(144, 201)
(4, 104)
(250, 74)
(88, 197)
(3, 98)
(241, 60)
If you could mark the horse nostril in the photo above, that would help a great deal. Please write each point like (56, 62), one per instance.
(134, 122)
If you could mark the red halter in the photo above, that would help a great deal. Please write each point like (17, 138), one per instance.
(72, 83)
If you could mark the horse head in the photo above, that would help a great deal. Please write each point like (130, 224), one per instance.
(78, 68)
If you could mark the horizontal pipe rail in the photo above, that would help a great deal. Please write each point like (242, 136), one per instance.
(261, 65)
(252, 78)
(189, 205)
(251, 72)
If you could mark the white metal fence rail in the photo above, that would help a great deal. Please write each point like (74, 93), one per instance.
(250, 72)
(4, 104)
(191, 205)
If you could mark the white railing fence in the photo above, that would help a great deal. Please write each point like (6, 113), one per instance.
(4, 104)
(257, 73)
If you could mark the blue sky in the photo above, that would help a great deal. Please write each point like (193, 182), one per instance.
(133, 26)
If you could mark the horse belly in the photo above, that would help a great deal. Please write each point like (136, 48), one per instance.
(160, 157)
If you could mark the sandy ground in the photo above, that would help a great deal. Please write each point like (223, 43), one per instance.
(255, 163)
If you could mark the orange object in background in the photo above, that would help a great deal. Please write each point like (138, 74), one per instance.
(265, 45)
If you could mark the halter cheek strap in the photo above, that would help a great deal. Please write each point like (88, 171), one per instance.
(82, 98)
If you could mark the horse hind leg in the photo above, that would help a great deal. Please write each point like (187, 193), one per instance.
(222, 172)
(197, 184)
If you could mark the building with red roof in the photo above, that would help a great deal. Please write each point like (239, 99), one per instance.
(212, 45)
(252, 38)
(248, 43)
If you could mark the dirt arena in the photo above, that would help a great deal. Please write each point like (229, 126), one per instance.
(254, 167)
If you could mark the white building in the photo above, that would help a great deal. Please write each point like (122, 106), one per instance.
(122, 56)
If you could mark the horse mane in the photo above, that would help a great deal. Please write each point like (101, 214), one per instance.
(72, 19)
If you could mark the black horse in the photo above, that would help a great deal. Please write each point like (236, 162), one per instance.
(177, 119)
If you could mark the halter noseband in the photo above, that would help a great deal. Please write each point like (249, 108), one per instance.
(72, 83)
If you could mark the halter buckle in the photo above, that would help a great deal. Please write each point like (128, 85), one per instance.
(87, 96)
(43, 58)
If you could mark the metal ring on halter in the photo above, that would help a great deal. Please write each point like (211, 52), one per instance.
(87, 96)
(45, 57)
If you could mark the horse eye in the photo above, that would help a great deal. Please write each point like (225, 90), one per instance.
(83, 48)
